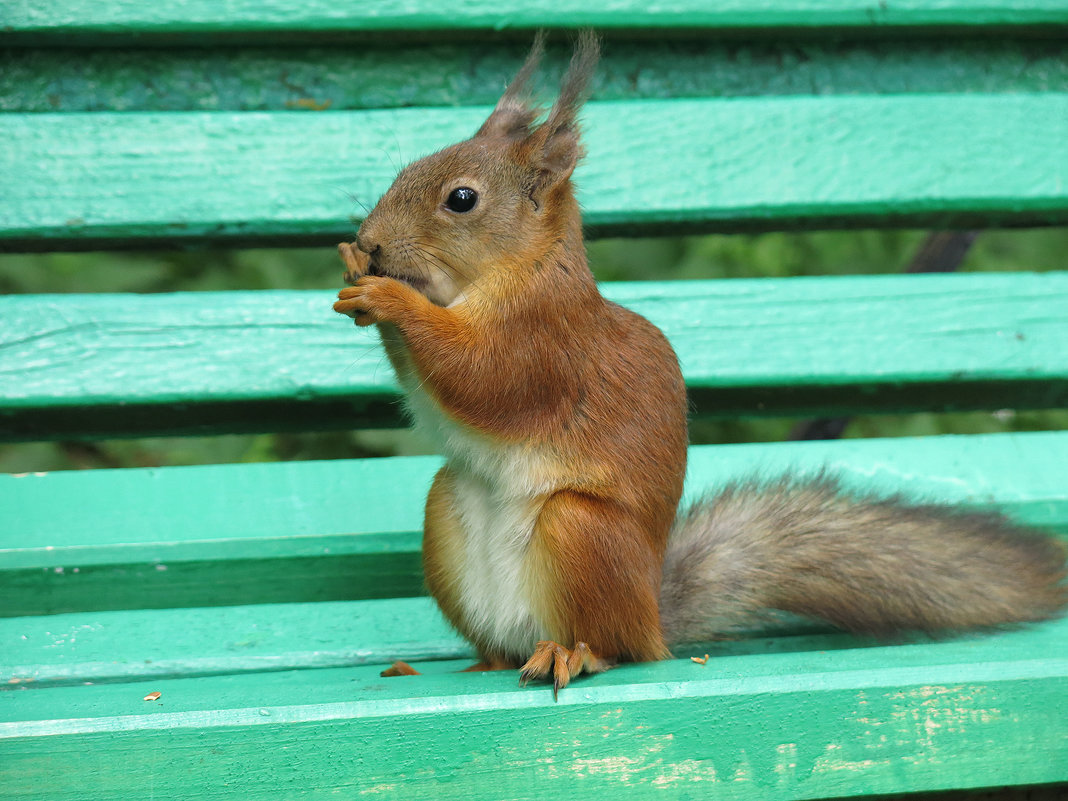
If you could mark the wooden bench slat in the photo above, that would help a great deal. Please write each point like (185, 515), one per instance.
(218, 534)
(759, 726)
(258, 361)
(158, 644)
(66, 19)
(139, 645)
(154, 644)
(88, 180)
(261, 533)
(338, 77)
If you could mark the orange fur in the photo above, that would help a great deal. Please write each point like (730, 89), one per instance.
(533, 357)
(596, 576)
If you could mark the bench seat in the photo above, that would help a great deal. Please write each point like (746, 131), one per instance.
(142, 527)
(761, 720)
(800, 715)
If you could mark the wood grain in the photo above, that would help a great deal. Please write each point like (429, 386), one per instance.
(75, 365)
(386, 74)
(84, 180)
(329, 531)
(154, 644)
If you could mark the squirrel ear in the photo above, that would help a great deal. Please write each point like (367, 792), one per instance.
(514, 115)
(555, 155)
(554, 146)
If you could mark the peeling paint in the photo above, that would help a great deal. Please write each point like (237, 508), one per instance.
(685, 770)
(379, 789)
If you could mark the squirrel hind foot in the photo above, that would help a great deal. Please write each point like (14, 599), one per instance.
(564, 664)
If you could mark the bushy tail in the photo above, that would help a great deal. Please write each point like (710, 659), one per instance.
(874, 566)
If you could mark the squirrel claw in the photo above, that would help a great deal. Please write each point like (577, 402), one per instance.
(565, 664)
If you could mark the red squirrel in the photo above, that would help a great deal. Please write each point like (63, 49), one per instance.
(552, 540)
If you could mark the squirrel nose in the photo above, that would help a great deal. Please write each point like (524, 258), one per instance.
(369, 247)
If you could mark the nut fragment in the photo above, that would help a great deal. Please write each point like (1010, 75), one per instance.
(153, 696)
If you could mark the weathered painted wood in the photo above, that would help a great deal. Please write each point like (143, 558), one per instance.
(155, 644)
(68, 20)
(264, 533)
(338, 77)
(809, 724)
(86, 180)
(81, 366)
(257, 533)
(105, 647)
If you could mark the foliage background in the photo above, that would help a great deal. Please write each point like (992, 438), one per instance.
(718, 256)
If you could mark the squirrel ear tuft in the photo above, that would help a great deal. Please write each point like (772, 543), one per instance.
(555, 144)
(573, 89)
(514, 114)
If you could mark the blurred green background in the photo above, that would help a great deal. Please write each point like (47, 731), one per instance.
(718, 256)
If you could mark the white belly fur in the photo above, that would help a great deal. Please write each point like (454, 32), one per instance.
(499, 491)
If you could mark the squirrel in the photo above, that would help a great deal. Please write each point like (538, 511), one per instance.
(552, 537)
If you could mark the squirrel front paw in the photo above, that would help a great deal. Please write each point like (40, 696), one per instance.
(375, 299)
(356, 262)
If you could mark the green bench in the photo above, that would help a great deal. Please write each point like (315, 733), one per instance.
(261, 601)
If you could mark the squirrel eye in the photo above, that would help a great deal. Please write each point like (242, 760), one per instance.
(462, 199)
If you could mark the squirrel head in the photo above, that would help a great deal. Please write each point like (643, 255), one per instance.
(496, 203)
